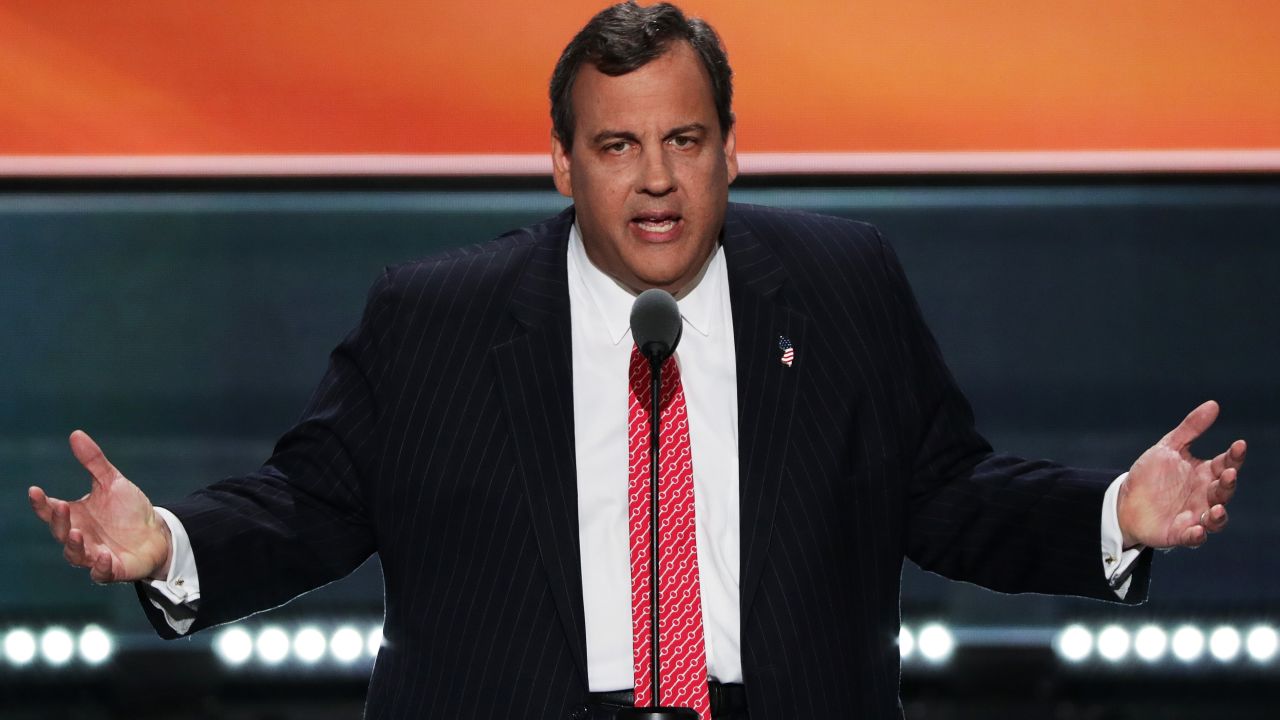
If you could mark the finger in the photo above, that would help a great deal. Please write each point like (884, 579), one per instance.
(1236, 453)
(1214, 519)
(100, 572)
(1233, 457)
(92, 458)
(60, 519)
(40, 504)
(1192, 426)
(1223, 488)
(1219, 463)
(1193, 537)
(74, 554)
(73, 550)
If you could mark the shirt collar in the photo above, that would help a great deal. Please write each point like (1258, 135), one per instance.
(699, 306)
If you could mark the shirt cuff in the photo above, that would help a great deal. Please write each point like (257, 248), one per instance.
(178, 595)
(1118, 564)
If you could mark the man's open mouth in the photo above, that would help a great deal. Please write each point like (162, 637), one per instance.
(657, 223)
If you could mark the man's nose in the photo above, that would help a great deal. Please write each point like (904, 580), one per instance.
(656, 176)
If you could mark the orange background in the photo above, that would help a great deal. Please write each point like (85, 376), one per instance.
(398, 76)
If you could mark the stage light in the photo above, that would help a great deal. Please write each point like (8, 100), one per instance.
(1150, 643)
(234, 646)
(1224, 643)
(309, 645)
(906, 642)
(935, 642)
(19, 646)
(56, 646)
(95, 645)
(1074, 643)
(272, 645)
(373, 641)
(1261, 643)
(1113, 643)
(1188, 643)
(346, 645)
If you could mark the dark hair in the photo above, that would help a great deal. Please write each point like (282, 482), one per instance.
(625, 37)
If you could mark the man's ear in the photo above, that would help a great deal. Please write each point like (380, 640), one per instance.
(560, 162)
(731, 154)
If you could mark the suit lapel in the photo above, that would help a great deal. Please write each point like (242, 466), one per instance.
(767, 389)
(535, 374)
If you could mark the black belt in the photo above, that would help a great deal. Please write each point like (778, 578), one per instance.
(725, 698)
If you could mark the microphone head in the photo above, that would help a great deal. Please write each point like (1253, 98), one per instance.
(655, 324)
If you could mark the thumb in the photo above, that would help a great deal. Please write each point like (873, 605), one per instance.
(91, 457)
(1192, 426)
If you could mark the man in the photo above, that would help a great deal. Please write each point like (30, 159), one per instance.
(473, 431)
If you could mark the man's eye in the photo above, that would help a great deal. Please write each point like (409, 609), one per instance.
(617, 148)
(683, 141)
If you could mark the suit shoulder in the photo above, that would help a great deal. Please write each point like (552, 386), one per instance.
(479, 265)
(805, 238)
(467, 284)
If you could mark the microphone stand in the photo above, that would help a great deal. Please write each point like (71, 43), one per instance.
(656, 357)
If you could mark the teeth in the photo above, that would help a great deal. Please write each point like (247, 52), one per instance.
(656, 227)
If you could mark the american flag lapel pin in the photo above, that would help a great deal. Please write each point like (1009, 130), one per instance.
(788, 351)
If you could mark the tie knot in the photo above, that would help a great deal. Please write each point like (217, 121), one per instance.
(641, 379)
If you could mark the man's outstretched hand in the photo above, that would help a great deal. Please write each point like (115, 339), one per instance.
(114, 530)
(1172, 498)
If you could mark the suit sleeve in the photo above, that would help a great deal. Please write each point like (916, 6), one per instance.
(1003, 522)
(300, 521)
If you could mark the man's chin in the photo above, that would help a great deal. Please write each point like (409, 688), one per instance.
(673, 281)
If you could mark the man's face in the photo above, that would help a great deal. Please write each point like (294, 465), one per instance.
(649, 170)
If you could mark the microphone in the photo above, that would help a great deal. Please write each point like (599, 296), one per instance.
(656, 325)
(656, 328)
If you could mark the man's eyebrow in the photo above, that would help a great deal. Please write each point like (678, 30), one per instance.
(686, 129)
(632, 137)
(613, 135)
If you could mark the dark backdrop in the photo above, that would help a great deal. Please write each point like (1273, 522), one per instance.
(184, 329)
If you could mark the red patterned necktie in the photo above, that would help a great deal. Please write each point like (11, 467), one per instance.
(682, 650)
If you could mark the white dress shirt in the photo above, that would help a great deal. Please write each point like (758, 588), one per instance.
(601, 335)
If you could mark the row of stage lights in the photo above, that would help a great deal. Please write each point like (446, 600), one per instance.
(308, 645)
(1153, 644)
(350, 645)
(933, 643)
(92, 646)
(57, 646)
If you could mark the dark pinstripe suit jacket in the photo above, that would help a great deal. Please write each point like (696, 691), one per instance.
(442, 439)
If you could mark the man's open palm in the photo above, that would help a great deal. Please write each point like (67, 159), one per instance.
(114, 530)
(1173, 498)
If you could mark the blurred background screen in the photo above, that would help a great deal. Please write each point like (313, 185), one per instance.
(815, 76)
